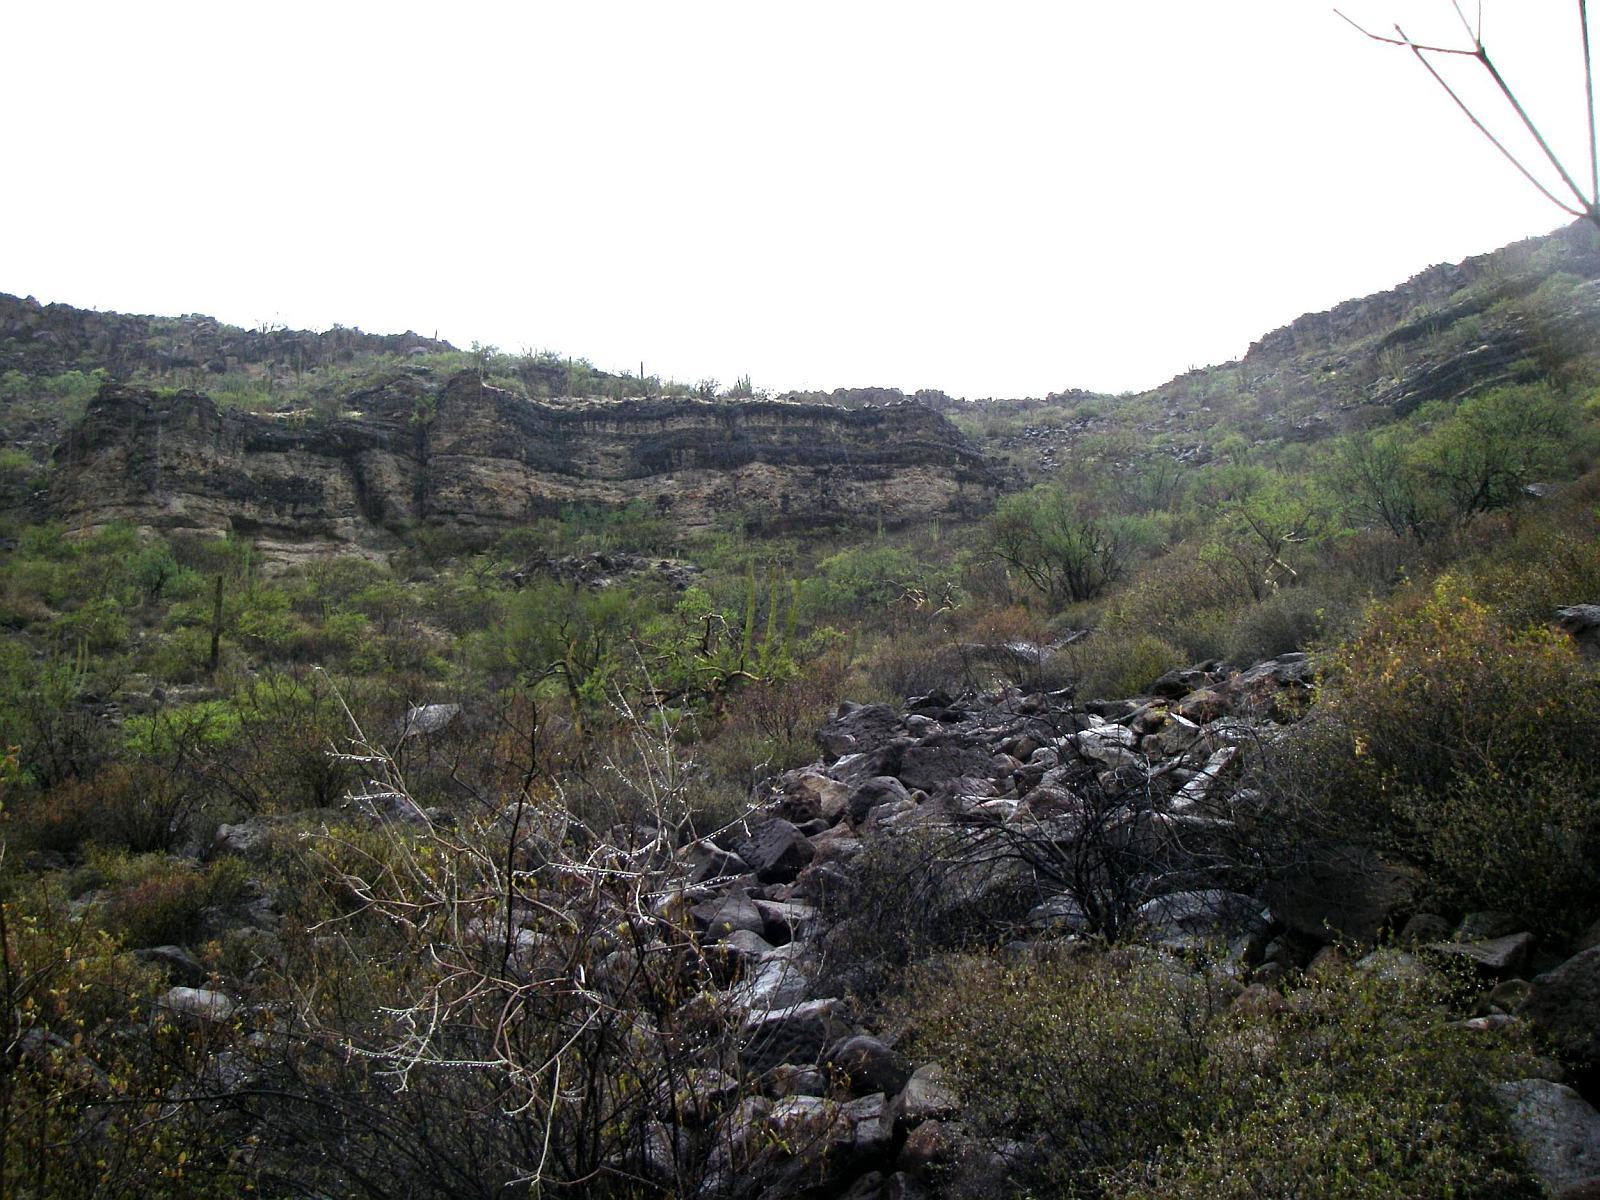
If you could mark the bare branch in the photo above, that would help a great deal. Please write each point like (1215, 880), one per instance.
(1418, 50)
(1402, 40)
(1588, 91)
(1516, 105)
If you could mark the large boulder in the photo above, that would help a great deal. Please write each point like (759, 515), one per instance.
(776, 851)
(1564, 1005)
(1559, 1133)
(859, 729)
(1348, 892)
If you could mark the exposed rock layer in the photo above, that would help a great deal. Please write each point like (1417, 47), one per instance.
(475, 458)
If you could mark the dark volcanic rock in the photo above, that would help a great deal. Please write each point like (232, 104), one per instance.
(776, 851)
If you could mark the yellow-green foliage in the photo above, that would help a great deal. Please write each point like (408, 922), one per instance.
(1471, 746)
(1110, 666)
(84, 1096)
(1137, 1078)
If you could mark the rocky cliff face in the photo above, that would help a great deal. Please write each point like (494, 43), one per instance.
(40, 339)
(474, 458)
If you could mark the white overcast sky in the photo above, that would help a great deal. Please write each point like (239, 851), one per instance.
(996, 198)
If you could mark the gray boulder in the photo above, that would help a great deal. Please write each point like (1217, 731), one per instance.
(1564, 1005)
(1559, 1133)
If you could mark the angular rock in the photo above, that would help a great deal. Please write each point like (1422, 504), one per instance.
(1279, 688)
(809, 795)
(859, 729)
(1178, 683)
(786, 920)
(1499, 957)
(796, 1033)
(776, 851)
(868, 795)
(1199, 914)
(942, 756)
(780, 979)
(925, 1097)
(706, 860)
(724, 915)
(1564, 1004)
(1203, 706)
(867, 1064)
(1423, 928)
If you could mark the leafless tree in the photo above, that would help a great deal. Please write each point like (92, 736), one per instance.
(1569, 196)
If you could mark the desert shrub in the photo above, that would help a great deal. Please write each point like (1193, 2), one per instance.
(1467, 745)
(1180, 601)
(146, 807)
(283, 754)
(915, 664)
(1525, 841)
(57, 821)
(1125, 1074)
(1545, 567)
(158, 900)
(772, 721)
(917, 893)
(1435, 688)
(1108, 666)
(85, 1101)
(136, 807)
(42, 713)
(97, 625)
(180, 655)
(1289, 619)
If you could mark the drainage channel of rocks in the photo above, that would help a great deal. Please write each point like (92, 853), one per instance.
(1005, 784)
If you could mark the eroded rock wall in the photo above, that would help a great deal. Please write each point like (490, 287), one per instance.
(472, 457)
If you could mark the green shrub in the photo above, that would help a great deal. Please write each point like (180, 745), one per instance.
(1289, 619)
(157, 900)
(1129, 1076)
(1108, 666)
(1466, 745)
